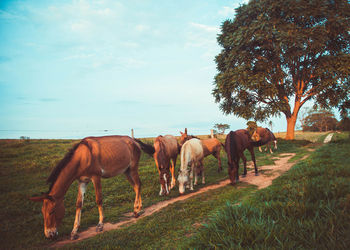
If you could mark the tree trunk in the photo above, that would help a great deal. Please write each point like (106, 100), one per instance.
(291, 121)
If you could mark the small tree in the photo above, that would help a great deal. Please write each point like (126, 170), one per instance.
(319, 120)
(221, 127)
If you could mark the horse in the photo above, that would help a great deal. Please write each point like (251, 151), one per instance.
(266, 136)
(166, 150)
(235, 144)
(211, 146)
(191, 154)
(92, 158)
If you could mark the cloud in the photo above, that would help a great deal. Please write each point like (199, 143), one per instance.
(48, 100)
(207, 28)
(227, 11)
(142, 28)
(5, 15)
(230, 11)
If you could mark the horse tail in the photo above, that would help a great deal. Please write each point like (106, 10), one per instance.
(66, 159)
(147, 148)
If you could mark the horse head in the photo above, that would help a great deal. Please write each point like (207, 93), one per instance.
(53, 213)
(184, 137)
(255, 136)
(183, 181)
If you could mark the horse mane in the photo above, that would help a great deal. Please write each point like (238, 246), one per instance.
(61, 165)
(233, 146)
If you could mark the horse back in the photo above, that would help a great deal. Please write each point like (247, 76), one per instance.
(172, 146)
(113, 155)
(210, 146)
(191, 150)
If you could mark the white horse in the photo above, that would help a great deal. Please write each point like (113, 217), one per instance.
(191, 154)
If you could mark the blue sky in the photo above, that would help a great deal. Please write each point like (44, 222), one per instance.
(70, 69)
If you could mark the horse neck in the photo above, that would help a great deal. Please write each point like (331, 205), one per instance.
(64, 180)
(184, 157)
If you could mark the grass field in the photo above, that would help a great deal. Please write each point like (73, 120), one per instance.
(25, 165)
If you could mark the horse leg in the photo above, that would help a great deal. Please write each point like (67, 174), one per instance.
(191, 175)
(251, 150)
(216, 154)
(196, 170)
(161, 187)
(260, 149)
(202, 171)
(79, 205)
(134, 179)
(172, 170)
(269, 146)
(244, 164)
(96, 180)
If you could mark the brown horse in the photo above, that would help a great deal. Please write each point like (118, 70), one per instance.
(235, 144)
(166, 150)
(266, 137)
(92, 158)
(211, 146)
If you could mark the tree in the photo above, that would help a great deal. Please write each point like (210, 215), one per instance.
(344, 124)
(319, 120)
(279, 54)
(221, 127)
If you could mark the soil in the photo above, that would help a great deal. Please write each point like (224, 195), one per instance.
(264, 179)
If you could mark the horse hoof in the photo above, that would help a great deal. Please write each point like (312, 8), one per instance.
(244, 175)
(136, 215)
(74, 236)
(99, 227)
(256, 174)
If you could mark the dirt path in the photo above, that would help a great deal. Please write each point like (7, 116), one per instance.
(268, 174)
(328, 138)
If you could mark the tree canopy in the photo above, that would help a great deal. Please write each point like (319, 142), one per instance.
(319, 120)
(220, 127)
(278, 54)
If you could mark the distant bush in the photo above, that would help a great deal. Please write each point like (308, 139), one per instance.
(25, 138)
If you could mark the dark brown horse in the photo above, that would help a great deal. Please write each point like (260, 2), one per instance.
(235, 144)
(211, 146)
(266, 137)
(92, 158)
(166, 150)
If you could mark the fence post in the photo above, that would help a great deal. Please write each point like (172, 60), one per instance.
(132, 133)
(212, 133)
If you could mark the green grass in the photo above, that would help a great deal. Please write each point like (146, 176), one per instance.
(25, 165)
(306, 208)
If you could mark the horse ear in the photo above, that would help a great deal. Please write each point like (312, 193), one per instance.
(41, 197)
(37, 198)
(181, 133)
(185, 130)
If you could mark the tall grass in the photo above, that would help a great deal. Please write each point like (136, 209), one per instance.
(306, 208)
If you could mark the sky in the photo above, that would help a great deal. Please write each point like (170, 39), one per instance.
(71, 69)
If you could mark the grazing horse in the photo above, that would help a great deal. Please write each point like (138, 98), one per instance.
(211, 146)
(266, 137)
(92, 158)
(191, 154)
(235, 144)
(166, 149)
